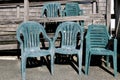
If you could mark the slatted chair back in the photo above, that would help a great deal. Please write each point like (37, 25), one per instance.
(97, 36)
(69, 32)
(52, 9)
(72, 9)
(30, 32)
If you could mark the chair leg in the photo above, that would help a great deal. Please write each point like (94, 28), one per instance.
(115, 65)
(86, 64)
(23, 66)
(52, 64)
(79, 63)
(107, 60)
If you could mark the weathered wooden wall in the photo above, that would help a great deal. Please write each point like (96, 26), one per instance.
(16, 11)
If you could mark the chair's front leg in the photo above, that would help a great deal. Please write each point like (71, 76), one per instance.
(79, 63)
(107, 61)
(23, 68)
(115, 65)
(115, 46)
(87, 62)
(115, 57)
(52, 64)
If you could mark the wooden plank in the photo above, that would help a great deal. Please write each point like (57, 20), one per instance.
(8, 38)
(8, 46)
(26, 10)
(8, 42)
(9, 25)
(13, 5)
(62, 19)
(10, 21)
(7, 33)
(108, 3)
(94, 7)
(8, 29)
(56, 19)
(18, 11)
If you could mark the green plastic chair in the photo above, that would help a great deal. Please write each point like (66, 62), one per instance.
(69, 37)
(97, 43)
(51, 9)
(73, 9)
(28, 35)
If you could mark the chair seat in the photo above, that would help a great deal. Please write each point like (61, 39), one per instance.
(101, 51)
(66, 50)
(35, 53)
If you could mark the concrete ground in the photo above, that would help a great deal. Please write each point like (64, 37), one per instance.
(10, 70)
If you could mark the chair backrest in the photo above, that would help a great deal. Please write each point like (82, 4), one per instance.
(51, 9)
(69, 33)
(28, 34)
(72, 9)
(97, 36)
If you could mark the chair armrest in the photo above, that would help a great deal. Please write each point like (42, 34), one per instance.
(51, 46)
(115, 45)
(20, 44)
(87, 43)
(45, 36)
(63, 12)
(18, 36)
(81, 12)
(112, 44)
(43, 11)
(60, 13)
